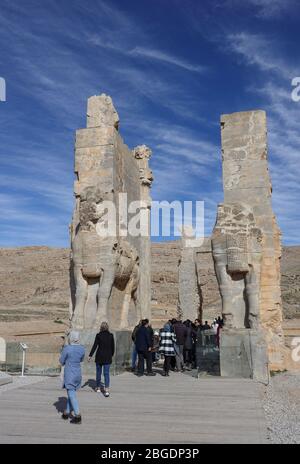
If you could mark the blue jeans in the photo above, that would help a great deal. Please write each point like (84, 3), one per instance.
(72, 404)
(134, 357)
(106, 368)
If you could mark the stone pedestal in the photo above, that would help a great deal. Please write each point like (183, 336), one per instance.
(244, 354)
(2, 350)
(121, 359)
(5, 378)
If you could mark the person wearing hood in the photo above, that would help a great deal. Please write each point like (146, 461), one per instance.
(71, 357)
(166, 347)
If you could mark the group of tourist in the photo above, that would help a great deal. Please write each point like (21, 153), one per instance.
(175, 342)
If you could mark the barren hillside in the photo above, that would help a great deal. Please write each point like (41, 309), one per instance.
(34, 281)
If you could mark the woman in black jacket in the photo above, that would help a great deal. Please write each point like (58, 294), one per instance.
(105, 346)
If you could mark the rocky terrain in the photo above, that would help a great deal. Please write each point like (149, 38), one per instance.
(34, 282)
(281, 403)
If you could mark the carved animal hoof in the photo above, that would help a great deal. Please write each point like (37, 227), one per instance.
(123, 326)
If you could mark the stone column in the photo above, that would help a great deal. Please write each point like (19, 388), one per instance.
(189, 304)
(247, 211)
(142, 154)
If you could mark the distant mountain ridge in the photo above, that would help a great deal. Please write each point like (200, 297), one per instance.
(34, 281)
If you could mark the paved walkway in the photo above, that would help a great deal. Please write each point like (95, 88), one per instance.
(178, 409)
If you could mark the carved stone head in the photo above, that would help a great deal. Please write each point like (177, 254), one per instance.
(142, 152)
(90, 198)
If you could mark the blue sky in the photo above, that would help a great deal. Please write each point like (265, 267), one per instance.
(172, 67)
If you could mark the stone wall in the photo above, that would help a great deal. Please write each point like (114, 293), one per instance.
(110, 269)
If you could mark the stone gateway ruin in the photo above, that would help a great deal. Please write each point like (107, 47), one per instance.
(246, 243)
(110, 274)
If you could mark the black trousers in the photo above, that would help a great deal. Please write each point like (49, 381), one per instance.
(188, 356)
(142, 356)
(173, 362)
(167, 363)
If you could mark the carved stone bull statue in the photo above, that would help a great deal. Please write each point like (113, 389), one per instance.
(99, 264)
(236, 245)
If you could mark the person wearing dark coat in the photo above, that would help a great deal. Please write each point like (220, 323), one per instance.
(188, 345)
(143, 345)
(206, 326)
(134, 354)
(151, 332)
(105, 346)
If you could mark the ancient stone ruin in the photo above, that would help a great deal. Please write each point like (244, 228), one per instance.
(246, 239)
(193, 260)
(246, 249)
(110, 273)
(188, 292)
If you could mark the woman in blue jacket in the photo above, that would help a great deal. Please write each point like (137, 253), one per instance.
(71, 357)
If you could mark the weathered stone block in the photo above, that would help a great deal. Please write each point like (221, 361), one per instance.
(94, 137)
(243, 353)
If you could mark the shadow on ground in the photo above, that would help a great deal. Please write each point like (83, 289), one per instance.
(61, 404)
(90, 383)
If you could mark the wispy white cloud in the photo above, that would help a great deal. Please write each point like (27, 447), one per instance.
(260, 51)
(270, 9)
(262, 9)
(148, 53)
(166, 58)
(22, 223)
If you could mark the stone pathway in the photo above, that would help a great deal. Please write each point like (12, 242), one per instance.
(19, 382)
(177, 409)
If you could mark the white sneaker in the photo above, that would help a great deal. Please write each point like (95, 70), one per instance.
(106, 394)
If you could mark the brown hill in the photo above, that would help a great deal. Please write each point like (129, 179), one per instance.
(34, 282)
